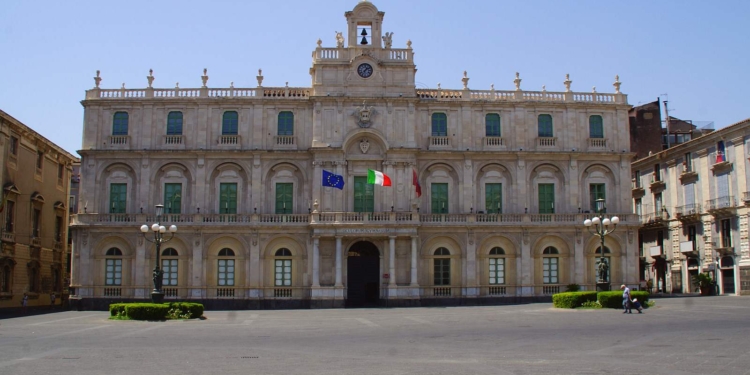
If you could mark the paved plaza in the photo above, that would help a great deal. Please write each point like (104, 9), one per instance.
(708, 335)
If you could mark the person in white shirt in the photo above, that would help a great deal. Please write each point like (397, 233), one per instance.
(626, 302)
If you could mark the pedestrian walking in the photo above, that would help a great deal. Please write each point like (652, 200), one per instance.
(52, 300)
(626, 301)
(24, 302)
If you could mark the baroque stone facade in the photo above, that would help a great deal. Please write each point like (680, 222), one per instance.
(506, 177)
(693, 202)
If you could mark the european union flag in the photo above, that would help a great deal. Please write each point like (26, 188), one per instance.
(333, 180)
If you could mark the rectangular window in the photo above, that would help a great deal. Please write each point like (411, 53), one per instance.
(657, 204)
(120, 123)
(439, 125)
(546, 198)
(692, 237)
(545, 126)
(442, 271)
(690, 198)
(58, 228)
(13, 146)
(492, 125)
(637, 178)
(230, 123)
(36, 222)
(639, 207)
(10, 216)
(596, 192)
(493, 198)
(688, 162)
(721, 155)
(118, 198)
(726, 233)
(283, 272)
(60, 171)
(174, 123)
(173, 198)
(364, 195)
(596, 127)
(439, 196)
(226, 272)
(39, 160)
(228, 198)
(722, 185)
(657, 173)
(284, 198)
(286, 123)
(660, 240)
(549, 270)
(497, 271)
(169, 266)
(113, 272)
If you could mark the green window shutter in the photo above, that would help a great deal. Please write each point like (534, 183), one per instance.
(172, 198)
(439, 125)
(120, 123)
(284, 198)
(596, 127)
(442, 270)
(228, 198)
(364, 195)
(545, 126)
(174, 123)
(439, 196)
(493, 198)
(286, 123)
(546, 198)
(118, 194)
(492, 125)
(497, 271)
(229, 123)
(596, 191)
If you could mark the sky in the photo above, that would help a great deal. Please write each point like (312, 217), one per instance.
(693, 53)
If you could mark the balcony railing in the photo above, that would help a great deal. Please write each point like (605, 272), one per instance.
(546, 141)
(285, 141)
(440, 142)
(721, 203)
(173, 140)
(597, 143)
(231, 140)
(119, 140)
(494, 142)
(688, 209)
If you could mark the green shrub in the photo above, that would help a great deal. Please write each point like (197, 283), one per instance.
(147, 311)
(591, 305)
(571, 300)
(117, 309)
(195, 309)
(613, 299)
(572, 288)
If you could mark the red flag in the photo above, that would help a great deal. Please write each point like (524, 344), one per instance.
(415, 182)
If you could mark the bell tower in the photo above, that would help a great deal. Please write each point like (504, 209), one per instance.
(365, 24)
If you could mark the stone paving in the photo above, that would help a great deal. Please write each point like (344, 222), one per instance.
(707, 335)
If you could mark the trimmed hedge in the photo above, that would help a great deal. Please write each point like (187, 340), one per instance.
(154, 311)
(195, 309)
(117, 308)
(571, 300)
(613, 299)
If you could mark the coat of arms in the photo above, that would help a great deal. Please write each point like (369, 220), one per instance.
(364, 145)
(364, 115)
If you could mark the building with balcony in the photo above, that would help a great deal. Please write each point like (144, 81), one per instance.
(36, 183)
(693, 203)
(507, 179)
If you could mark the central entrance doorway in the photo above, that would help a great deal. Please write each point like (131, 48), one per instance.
(363, 275)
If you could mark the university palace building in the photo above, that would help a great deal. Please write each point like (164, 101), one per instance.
(507, 179)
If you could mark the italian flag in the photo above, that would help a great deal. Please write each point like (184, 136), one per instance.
(378, 178)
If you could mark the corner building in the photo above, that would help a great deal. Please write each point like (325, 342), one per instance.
(507, 179)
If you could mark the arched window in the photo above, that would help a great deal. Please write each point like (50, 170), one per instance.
(602, 272)
(225, 275)
(442, 264)
(550, 265)
(492, 125)
(174, 123)
(169, 266)
(545, 126)
(120, 123)
(497, 266)
(113, 267)
(286, 123)
(283, 268)
(229, 123)
(596, 127)
(439, 125)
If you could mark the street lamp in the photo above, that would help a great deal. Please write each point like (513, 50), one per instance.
(602, 226)
(157, 295)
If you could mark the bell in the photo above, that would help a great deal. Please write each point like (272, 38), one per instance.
(364, 32)
(364, 40)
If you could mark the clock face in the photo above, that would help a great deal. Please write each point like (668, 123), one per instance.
(364, 70)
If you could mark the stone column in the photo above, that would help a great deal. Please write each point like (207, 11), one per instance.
(316, 262)
(392, 260)
(338, 262)
(414, 281)
(140, 267)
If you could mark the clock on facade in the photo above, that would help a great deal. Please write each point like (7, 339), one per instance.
(364, 70)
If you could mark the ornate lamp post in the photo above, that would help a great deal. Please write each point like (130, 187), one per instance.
(602, 226)
(157, 295)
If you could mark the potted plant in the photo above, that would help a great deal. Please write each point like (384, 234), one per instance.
(704, 283)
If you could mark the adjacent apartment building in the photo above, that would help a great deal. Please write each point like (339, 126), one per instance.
(693, 202)
(35, 189)
(506, 179)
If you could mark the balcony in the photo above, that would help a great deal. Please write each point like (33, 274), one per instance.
(721, 206)
(176, 141)
(440, 143)
(546, 142)
(230, 141)
(688, 212)
(746, 198)
(119, 141)
(656, 219)
(637, 190)
(721, 167)
(493, 143)
(597, 143)
(287, 142)
(688, 176)
(9, 237)
(657, 185)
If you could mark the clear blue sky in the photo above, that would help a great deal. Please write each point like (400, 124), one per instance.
(696, 51)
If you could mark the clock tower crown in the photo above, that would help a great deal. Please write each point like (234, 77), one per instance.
(365, 25)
